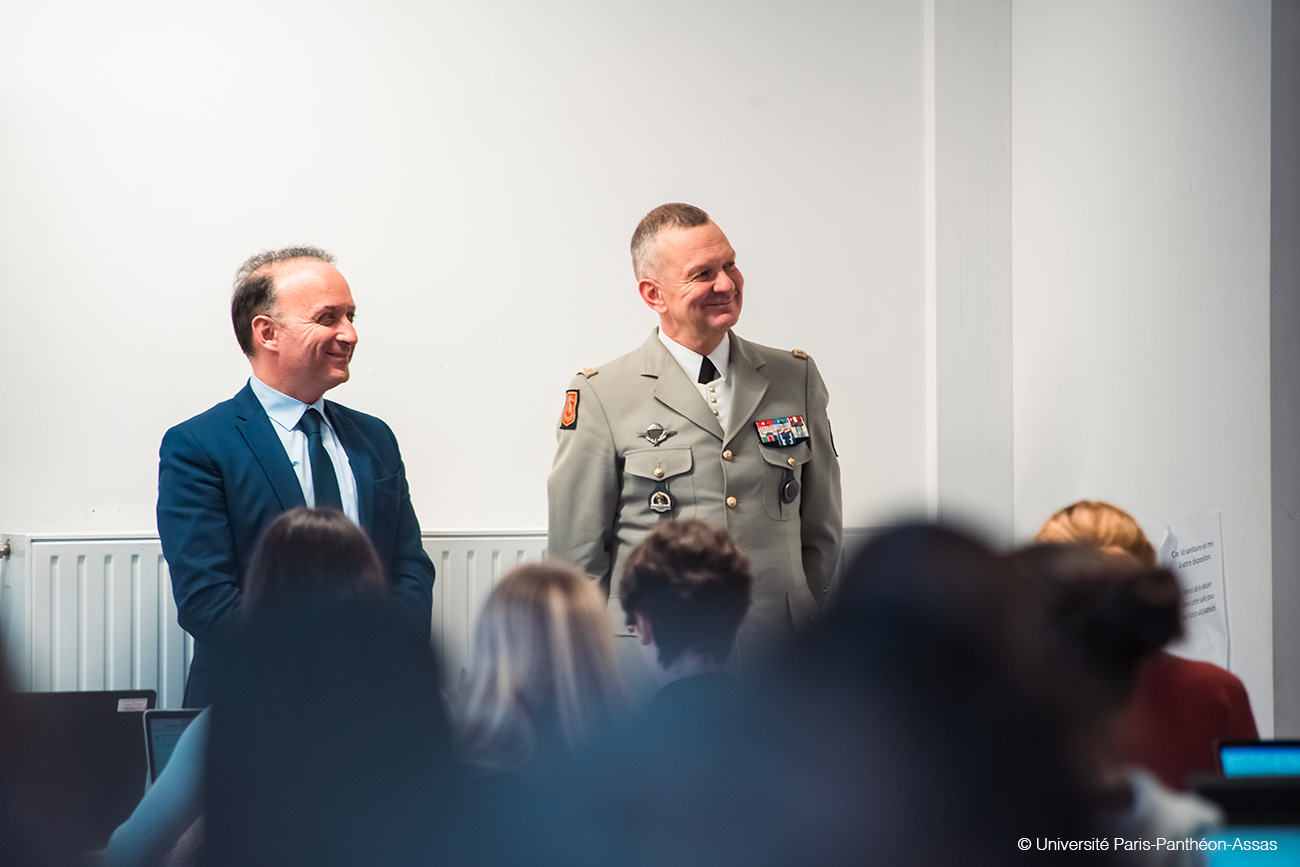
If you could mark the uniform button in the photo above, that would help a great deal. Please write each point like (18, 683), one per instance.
(631, 627)
(712, 389)
(726, 456)
(715, 412)
(790, 461)
(713, 400)
(731, 502)
(659, 472)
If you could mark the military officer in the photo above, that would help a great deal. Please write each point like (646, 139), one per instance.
(700, 423)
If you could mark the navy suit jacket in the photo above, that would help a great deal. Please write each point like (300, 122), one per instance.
(223, 477)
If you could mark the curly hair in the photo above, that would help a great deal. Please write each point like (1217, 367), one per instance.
(693, 583)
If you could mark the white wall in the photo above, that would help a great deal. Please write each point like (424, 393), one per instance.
(1140, 273)
(478, 170)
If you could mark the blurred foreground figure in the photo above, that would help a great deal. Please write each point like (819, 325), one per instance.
(543, 678)
(306, 555)
(910, 725)
(541, 685)
(686, 590)
(1109, 613)
(329, 741)
(1180, 707)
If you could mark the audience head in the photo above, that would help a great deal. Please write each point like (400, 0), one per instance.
(1099, 525)
(918, 717)
(329, 743)
(317, 552)
(1107, 611)
(543, 676)
(686, 590)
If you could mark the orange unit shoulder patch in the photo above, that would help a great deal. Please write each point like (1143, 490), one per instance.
(569, 418)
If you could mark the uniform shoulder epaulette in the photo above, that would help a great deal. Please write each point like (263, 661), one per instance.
(798, 353)
(589, 372)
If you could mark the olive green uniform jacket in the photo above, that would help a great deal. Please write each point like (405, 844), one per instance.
(606, 470)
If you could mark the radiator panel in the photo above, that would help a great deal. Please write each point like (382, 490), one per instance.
(99, 615)
(95, 613)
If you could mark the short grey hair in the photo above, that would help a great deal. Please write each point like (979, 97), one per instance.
(674, 215)
(254, 294)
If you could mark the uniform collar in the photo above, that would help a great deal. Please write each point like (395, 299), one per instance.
(689, 360)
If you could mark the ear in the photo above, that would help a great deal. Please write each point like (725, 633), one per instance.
(264, 332)
(644, 629)
(652, 294)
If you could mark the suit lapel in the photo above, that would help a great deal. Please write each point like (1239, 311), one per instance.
(673, 389)
(363, 467)
(256, 429)
(748, 386)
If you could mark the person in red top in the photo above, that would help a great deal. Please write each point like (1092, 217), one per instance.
(1179, 707)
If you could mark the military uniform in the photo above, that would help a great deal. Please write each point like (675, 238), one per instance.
(609, 475)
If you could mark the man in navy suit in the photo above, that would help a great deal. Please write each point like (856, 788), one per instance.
(226, 474)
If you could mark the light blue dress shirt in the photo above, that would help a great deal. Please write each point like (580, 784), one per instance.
(285, 412)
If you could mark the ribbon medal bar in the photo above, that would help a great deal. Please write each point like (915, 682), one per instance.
(782, 432)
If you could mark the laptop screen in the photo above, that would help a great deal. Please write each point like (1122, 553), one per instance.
(162, 729)
(1260, 758)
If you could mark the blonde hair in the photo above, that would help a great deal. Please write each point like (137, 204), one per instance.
(543, 665)
(1099, 525)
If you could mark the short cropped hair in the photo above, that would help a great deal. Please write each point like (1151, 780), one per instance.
(1099, 525)
(674, 215)
(254, 294)
(692, 582)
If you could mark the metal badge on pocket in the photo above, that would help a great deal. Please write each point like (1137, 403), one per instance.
(660, 500)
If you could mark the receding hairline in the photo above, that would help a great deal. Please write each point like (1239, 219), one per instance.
(255, 293)
(266, 260)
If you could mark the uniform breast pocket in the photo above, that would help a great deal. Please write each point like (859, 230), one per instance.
(783, 479)
(659, 481)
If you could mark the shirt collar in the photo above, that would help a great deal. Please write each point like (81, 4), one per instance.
(280, 408)
(689, 360)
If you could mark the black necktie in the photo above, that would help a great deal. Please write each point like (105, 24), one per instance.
(708, 372)
(323, 480)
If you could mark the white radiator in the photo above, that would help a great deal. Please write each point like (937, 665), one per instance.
(89, 613)
(468, 567)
